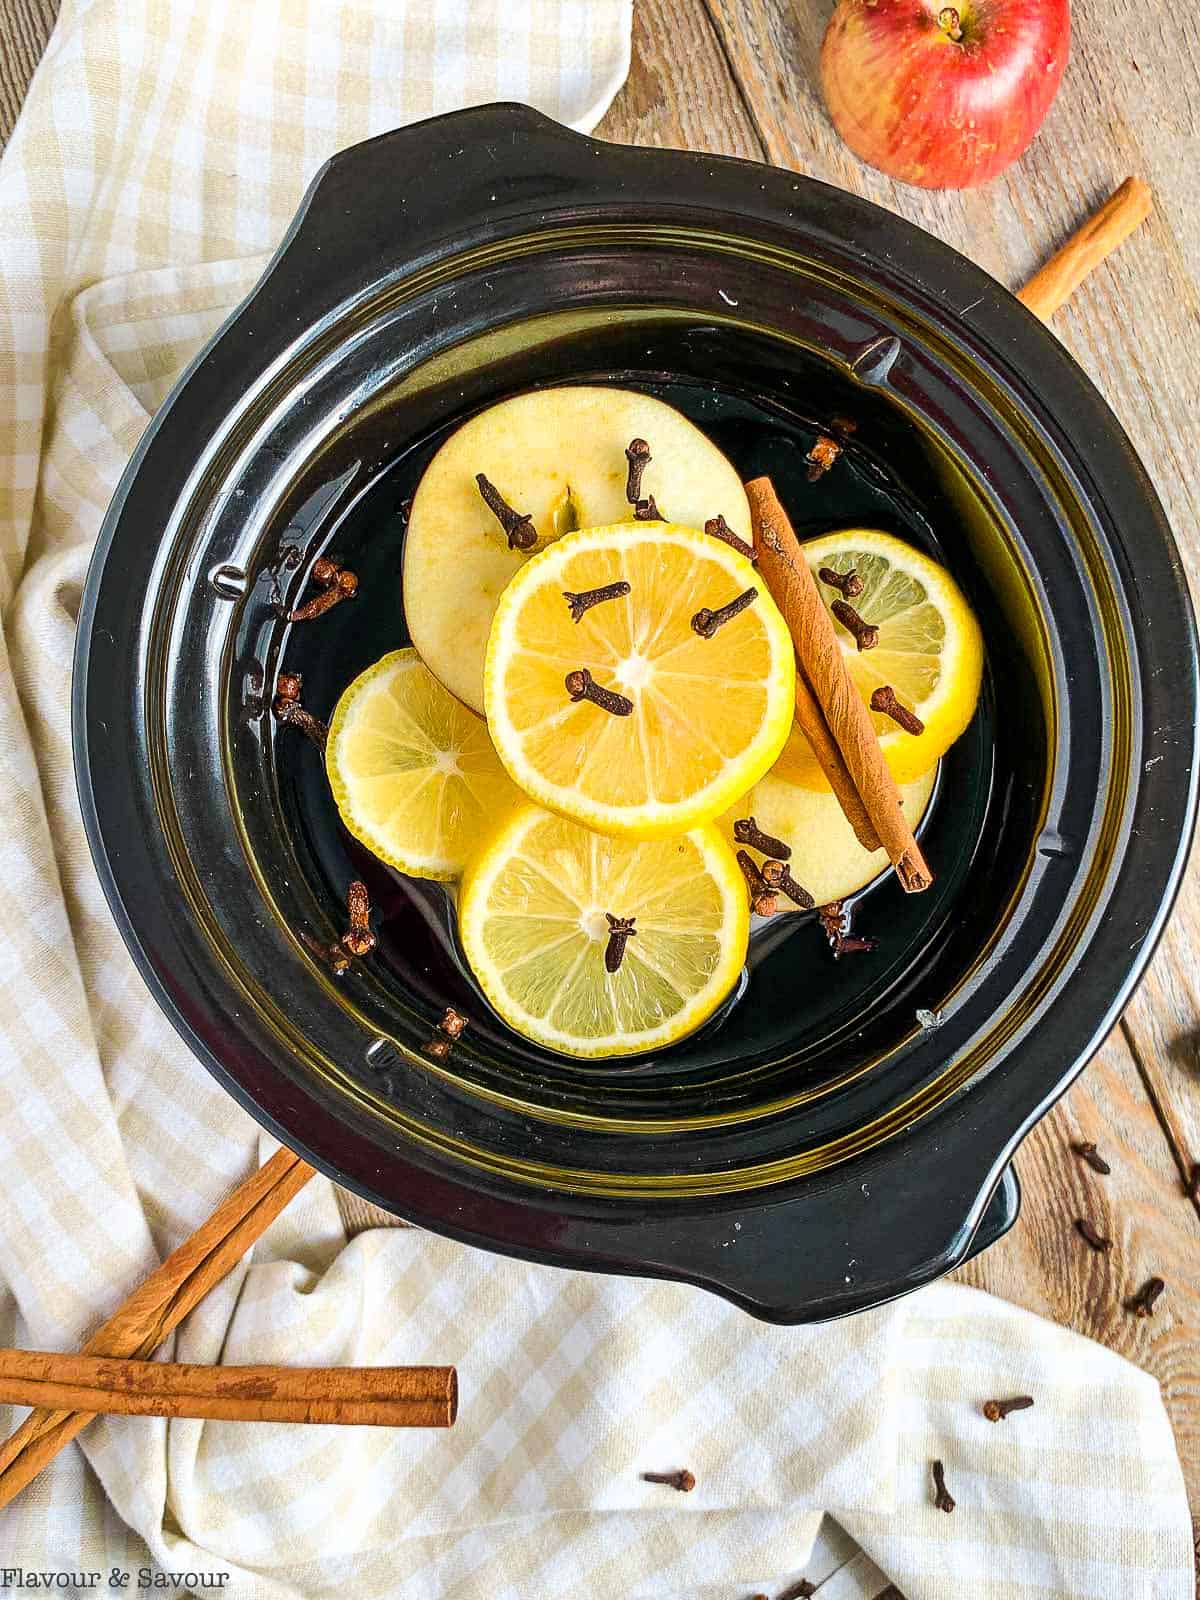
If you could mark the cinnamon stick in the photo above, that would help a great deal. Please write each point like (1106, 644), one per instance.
(158, 1305)
(824, 746)
(392, 1397)
(1124, 211)
(819, 654)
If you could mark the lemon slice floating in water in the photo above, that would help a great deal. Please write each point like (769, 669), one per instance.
(533, 916)
(930, 650)
(704, 715)
(413, 772)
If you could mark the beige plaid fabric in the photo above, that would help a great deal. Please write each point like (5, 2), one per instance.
(162, 151)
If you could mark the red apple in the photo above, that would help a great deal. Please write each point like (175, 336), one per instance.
(943, 96)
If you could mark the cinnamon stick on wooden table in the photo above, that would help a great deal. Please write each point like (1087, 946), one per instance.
(391, 1397)
(862, 779)
(1053, 285)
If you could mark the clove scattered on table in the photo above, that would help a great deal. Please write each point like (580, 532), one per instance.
(942, 1498)
(1086, 1151)
(683, 1480)
(997, 1410)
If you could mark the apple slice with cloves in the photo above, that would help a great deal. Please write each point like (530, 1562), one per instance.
(526, 471)
(825, 858)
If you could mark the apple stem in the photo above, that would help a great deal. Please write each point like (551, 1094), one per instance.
(950, 22)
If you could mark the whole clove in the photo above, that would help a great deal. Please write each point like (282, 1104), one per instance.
(620, 931)
(518, 527)
(822, 456)
(776, 875)
(747, 831)
(358, 938)
(885, 702)
(449, 1031)
(763, 901)
(1087, 1152)
(288, 710)
(720, 529)
(336, 584)
(1142, 1304)
(849, 583)
(866, 634)
(835, 923)
(682, 1480)
(453, 1023)
(637, 453)
(1096, 1239)
(997, 1410)
(332, 954)
(942, 1498)
(585, 599)
(705, 622)
(582, 686)
(801, 1590)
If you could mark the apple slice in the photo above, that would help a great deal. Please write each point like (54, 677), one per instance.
(558, 457)
(826, 858)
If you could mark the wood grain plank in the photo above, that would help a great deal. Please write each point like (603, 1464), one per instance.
(1045, 1266)
(680, 93)
(1162, 1028)
(25, 26)
(1012, 224)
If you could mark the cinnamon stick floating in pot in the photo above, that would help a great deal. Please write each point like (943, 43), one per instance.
(816, 730)
(820, 661)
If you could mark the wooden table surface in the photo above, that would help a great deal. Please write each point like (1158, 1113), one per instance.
(739, 77)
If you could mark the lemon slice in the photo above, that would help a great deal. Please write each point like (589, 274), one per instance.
(930, 650)
(826, 858)
(413, 772)
(706, 715)
(533, 913)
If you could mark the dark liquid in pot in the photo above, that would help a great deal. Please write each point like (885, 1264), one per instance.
(791, 978)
